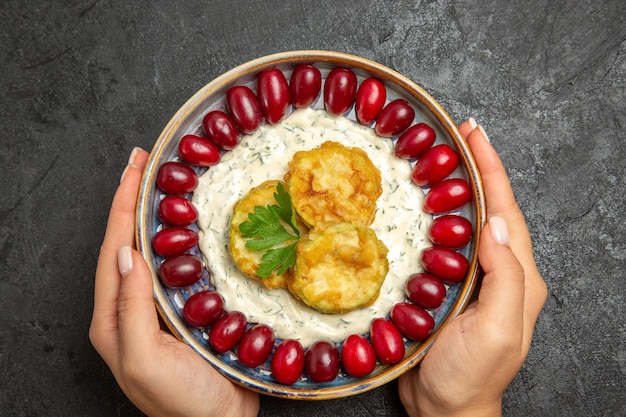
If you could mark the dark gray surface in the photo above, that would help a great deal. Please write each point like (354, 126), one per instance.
(84, 82)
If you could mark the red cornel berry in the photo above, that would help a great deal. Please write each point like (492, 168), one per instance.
(450, 230)
(425, 290)
(447, 195)
(339, 91)
(435, 165)
(199, 151)
(176, 178)
(386, 341)
(273, 93)
(174, 240)
(447, 264)
(203, 308)
(415, 141)
(221, 128)
(412, 321)
(244, 107)
(180, 270)
(177, 211)
(370, 100)
(256, 345)
(288, 362)
(305, 85)
(357, 356)
(394, 118)
(227, 331)
(321, 361)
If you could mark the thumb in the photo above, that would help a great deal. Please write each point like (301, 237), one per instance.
(502, 291)
(137, 316)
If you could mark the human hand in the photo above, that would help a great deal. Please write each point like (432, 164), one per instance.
(478, 354)
(159, 374)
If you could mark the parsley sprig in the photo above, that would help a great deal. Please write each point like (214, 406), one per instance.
(268, 228)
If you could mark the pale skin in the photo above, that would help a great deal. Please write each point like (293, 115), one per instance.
(479, 353)
(464, 374)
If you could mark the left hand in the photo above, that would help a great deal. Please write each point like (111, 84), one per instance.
(158, 373)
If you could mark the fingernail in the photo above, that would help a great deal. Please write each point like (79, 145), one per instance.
(472, 123)
(125, 260)
(133, 156)
(131, 163)
(499, 230)
(480, 128)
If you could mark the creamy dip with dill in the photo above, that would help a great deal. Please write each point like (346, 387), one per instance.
(400, 223)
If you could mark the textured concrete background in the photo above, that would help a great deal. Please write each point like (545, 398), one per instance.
(82, 83)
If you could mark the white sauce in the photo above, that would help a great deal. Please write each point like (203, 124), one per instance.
(400, 223)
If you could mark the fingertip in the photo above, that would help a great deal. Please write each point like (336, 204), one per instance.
(499, 230)
(125, 260)
(466, 127)
(483, 133)
(136, 161)
(502, 287)
(136, 311)
(137, 278)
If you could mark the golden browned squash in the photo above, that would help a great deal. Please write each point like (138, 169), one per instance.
(339, 268)
(333, 184)
(248, 260)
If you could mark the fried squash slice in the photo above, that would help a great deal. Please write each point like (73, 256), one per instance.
(333, 184)
(339, 268)
(248, 260)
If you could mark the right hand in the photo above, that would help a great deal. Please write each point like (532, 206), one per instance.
(477, 355)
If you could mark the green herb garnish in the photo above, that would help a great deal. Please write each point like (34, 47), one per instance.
(268, 228)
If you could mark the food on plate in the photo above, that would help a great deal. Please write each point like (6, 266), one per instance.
(305, 85)
(412, 321)
(256, 345)
(176, 178)
(321, 361)
(386, 341)
(370, 100)
(288, 362)
(250, 260)
(174, 240)
(333, 183)
(273, 92)
(339, 91)
(339, 268)
(203, 308)
(357, 356)
(244, 107)
(198, 151)
(447, 195)
(415, 141)
(328, 237)
(394, 118)
(181, 270)
(435, 165)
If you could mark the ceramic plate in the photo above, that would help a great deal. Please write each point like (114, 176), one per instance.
(188, 120)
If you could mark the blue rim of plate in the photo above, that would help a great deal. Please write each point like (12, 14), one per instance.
(188, 120)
